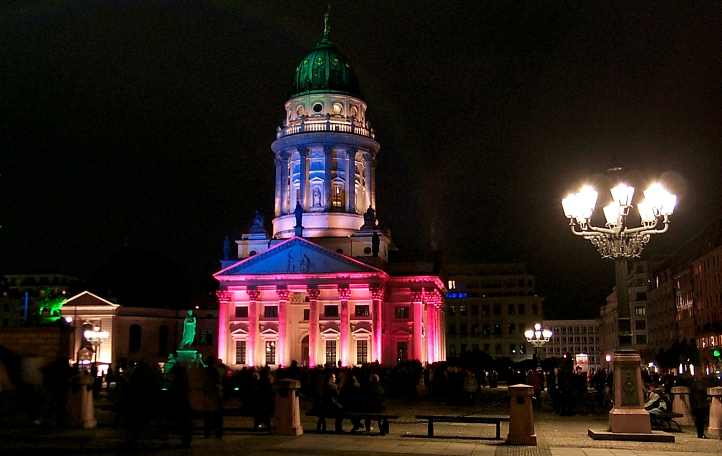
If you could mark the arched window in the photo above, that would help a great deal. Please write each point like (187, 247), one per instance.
(134, 338)
(338, 197)
(163, 340)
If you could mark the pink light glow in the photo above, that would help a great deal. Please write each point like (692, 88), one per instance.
(222, 329)
(297, 277)
(344, 336)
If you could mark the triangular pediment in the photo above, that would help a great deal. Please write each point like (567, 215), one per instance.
(88, 299)
(297, 256)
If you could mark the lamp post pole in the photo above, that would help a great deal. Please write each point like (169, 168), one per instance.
(620, 242)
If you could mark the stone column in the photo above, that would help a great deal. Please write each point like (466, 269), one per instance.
(377, 297)
(327, 177)
(225, 304)
(344, 293)
(313, 294)
(368, 177)
(680, 404)
(372, 182)
(282, 348)
(303, 177)
(252, 341)
(417, 307)
(283, 192)
(430, 332)
(714, 427)
(277, 198)
(351, 180)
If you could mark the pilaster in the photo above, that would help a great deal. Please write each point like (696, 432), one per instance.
(224, 306)
(377, 297)
(303, 177)
(417, 311)
(313, 330)
(328, 176)
(282, 348)
(344, 293)
(252, 344)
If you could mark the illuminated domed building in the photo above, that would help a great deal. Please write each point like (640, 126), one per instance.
(319, 289)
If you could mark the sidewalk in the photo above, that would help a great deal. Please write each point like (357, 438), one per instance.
(558, 436)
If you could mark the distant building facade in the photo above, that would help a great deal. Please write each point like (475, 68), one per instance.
(134, 333)
(489, 306)
(638, 286)
(574, 337)
(686, 297)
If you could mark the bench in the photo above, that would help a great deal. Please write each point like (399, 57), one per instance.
(382, 418)
(486, 419)
(666, 422)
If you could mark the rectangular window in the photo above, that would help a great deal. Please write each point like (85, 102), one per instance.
(402, 351)
(361, 310)
(475, 347)
(511, 309)
(641, 339)
(240, 352)
(463, 348)
(640, 311)
(306, 314)
(640, 324)
(270, 312)
(242, 312)
(452, 284)
(401, 312)
(331, 351)
(522, 309)
(330, 311)
(338, 195)
(474, 309)
(270, 352)
(362, 351)
(497, 309)
(535, 309)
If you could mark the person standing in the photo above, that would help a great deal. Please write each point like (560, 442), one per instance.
(698, 403)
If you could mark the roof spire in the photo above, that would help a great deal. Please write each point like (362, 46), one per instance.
(326, 25)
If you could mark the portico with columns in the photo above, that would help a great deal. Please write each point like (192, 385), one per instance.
(318, 289)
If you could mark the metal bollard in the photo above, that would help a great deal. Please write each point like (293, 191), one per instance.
(521, 424)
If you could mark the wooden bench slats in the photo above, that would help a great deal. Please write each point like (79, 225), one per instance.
(486, 419)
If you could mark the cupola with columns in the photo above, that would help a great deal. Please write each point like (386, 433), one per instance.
(325, 151)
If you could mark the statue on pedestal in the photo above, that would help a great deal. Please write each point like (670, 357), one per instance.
(369, 219)
(257, 225)
(298, 212)
(189, 331)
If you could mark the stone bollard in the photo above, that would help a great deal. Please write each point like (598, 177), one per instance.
(287, 412)
(714, 428)
(521, 424)
(680, 404)
(80, 402)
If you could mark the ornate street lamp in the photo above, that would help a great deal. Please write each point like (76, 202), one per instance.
(537, 337)
(620, 241)
(96, 337)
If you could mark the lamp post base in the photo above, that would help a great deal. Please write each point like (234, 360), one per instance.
(628, 415)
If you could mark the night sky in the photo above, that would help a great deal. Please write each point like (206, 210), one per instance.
(135, 135)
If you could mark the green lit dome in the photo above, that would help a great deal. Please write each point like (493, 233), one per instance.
(325, 69)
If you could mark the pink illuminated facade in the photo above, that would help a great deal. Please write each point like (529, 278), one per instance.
(318, 289)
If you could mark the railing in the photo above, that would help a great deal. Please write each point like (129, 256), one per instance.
(309, 126)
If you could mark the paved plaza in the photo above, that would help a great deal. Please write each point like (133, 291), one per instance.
(557, 436)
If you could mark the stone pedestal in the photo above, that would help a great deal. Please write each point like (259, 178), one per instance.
(680, 404)
(189, 357)
(521, 423)
(287, 412)
(81, 410)
(714, 428)
(628, 415)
